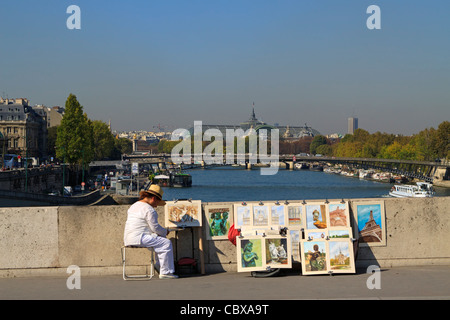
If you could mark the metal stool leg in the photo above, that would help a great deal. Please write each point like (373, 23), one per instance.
(146, 276)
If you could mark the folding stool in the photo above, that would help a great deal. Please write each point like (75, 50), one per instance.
(146, 276)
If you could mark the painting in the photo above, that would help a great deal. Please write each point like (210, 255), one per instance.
(278, 252)
(316, 235)
(260, 216)
(316, 216)
(342, 233)
(314, 257)
(183, 213)
(250, 251)
(338, 215)
(370, 227)
(277, 215)
(296, 236)
(295, 216)
(341, 256)
(243, 216)
(220, 219)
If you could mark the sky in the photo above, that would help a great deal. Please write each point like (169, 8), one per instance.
(168, 63)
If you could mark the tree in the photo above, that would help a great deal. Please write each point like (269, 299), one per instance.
(441, 140)
(51, 141)
(103, 140)
(74, 143)
(316, 142)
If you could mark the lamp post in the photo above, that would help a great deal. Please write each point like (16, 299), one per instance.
(26, 159)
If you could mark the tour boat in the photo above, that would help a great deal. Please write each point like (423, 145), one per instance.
(420, 190)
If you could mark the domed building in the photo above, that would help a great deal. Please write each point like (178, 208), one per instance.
(285, 132)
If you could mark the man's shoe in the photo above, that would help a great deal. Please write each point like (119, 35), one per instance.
(168, 276)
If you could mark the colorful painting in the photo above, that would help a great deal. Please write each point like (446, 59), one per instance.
(338, 213)
(295, 216)
(242, 216)
(316, 235)
(341, 256)
(250, 254)
(370, 219)
(314, 257)
(344, 233)
(277, 216)
(278, 252)
(260, 216)
(183, 213)
(220, 219)
(316, 216)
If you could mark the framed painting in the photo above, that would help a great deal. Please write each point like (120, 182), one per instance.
(243, 216)
(183, 213)
(277, 215)
(314, 257)
(219, 219)
(295, 218)
(250, 253)
(278, 252)
(369, 217)
(340, 233)
(316, 234)
(316, 216)
(338, 215)
(296, 236)
(341, 256)
(260, 216)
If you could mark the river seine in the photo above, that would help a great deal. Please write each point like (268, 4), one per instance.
(238, 184)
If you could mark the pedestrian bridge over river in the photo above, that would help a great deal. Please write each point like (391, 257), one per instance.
(430, 171)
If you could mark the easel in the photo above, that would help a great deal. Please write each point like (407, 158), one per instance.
(181, 227)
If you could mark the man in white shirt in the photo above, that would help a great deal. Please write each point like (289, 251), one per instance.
(142, 229)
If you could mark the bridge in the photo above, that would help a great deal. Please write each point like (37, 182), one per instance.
(423, 170)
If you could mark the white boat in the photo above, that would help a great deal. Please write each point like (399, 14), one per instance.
(420, 190)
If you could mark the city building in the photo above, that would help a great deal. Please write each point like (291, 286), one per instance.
(352, 125)
(285, 132)
(24, 129)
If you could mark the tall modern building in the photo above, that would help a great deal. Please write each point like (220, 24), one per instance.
(352, 125)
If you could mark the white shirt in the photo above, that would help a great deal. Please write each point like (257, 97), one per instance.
(142, 219)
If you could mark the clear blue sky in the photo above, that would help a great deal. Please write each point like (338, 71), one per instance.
(141, 63)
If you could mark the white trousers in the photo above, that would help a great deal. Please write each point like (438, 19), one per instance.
(164, 251)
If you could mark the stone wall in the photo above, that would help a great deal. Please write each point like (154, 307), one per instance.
(46, 240)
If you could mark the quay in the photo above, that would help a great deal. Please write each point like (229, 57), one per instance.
(400, 283)
(45, 241)
(39, 244)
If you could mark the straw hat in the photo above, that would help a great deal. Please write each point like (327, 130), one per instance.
(155, 190)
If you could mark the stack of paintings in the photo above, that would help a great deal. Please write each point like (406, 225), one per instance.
(261, 246)
(319, 234)
(259, 253)
(328, 246)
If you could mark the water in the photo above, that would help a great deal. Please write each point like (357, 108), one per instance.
(237, 185)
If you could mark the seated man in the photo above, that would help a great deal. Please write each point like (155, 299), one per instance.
(142, 229)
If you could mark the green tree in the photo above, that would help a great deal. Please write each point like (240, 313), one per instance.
(74, 142)
(441, 140)
(103, 140)
(316, 142)
(51, 141)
